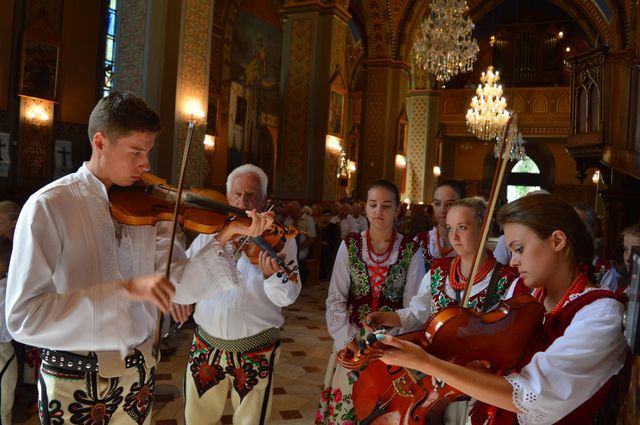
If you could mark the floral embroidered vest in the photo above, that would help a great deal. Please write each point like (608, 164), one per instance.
(553, 329)
(441, 296)
(389, 298)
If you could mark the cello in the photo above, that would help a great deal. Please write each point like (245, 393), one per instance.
(390, 395)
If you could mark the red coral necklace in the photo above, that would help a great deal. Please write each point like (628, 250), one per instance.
(381, 257)
(459, 282)
(577, 286)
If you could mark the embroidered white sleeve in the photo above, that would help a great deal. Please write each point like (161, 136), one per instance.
(337, 314)
(206, 273)
(558, 380)
(419, 309)
(414, 277)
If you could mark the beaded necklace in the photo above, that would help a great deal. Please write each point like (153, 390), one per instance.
(443, 250)
(383, 256)
(576, 287)
(459, 282)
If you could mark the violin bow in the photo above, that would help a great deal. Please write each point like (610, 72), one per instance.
(174, 227)
(508, 135)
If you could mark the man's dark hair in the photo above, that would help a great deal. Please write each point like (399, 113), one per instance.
(119, 114)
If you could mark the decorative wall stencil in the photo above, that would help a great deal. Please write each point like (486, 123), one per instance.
(132, 27)
(297, 109)
(373, 154)
(193, 80)
(49, 11)
(418, 112)
(378, 31)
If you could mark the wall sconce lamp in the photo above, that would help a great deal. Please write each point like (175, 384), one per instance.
(37, 115)
(209, 143)
(192, 111)
(596, 177)
(352, 166)
(332, 143)
(437, 171)
(401, 161)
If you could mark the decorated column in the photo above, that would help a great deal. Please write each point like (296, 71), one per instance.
(314, 89)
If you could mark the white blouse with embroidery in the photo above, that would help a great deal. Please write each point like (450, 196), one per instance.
(575, 366)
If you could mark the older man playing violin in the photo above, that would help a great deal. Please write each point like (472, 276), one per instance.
(84, 288)
(236, 343)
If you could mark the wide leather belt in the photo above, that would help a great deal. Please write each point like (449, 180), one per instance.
(251, 343)
(79, 363)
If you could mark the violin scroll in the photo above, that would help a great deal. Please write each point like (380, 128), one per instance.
(370, 350)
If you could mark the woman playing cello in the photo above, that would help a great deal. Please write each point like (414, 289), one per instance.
(378, 269)
(568, 371)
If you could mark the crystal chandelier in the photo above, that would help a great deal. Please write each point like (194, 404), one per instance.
(517, 152)
(444, 45)
(488, 113)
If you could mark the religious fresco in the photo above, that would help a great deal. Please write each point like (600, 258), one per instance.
(255, 73)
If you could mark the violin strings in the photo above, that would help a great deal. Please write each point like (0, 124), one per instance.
(245, 238)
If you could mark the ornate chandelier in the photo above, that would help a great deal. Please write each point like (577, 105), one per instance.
(444, 45)
(488, 113)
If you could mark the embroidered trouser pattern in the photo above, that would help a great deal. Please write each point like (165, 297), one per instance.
(87, 398)
(211, 372)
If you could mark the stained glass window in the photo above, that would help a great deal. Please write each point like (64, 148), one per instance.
(110, 48)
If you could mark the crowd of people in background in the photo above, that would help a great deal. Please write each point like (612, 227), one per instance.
(325, 225)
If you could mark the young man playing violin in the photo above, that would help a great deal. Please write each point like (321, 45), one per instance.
(236, 343)
(86, 289)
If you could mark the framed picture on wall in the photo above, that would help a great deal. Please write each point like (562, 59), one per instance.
(241, 111)
(336, 113)
(39, 68)
(401, 138)
(337, 98)
(212, 115)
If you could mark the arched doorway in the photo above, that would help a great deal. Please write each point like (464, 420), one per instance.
(524, 178)
(539, 154)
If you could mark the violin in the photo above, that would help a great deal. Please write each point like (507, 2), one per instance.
(498, 338)
(152, 200)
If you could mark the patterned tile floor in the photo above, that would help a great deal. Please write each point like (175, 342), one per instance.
(306, 345)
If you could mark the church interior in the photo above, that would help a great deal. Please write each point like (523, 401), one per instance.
(327, 96)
